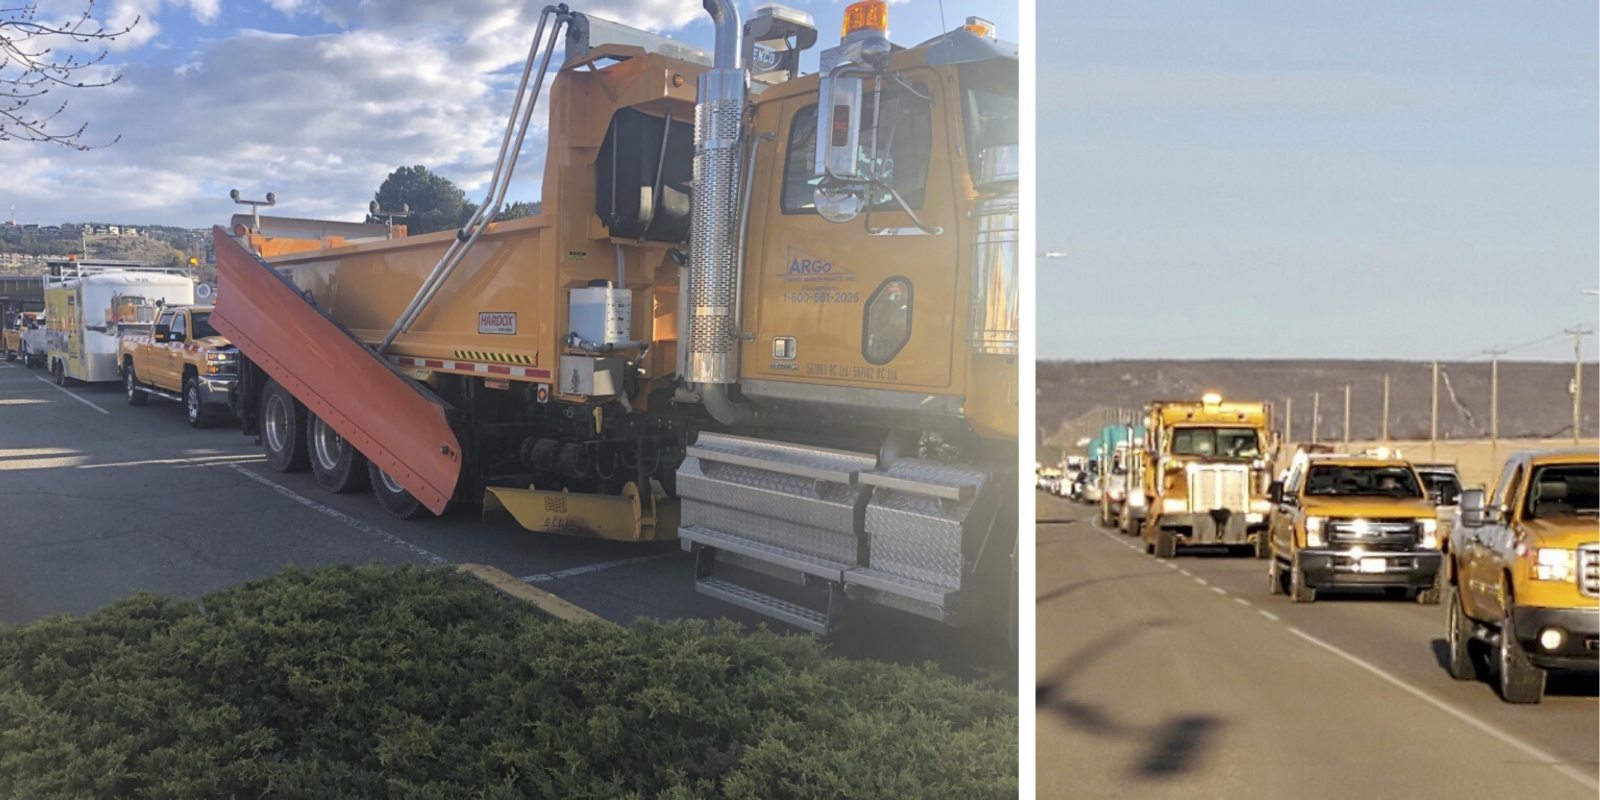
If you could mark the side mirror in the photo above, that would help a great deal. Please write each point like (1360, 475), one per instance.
(163, 333)
(1275, 492)
(838, 146)
(1473, 503)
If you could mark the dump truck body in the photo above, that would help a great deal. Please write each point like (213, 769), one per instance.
(1206, 466)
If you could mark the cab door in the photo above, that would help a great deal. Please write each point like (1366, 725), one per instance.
(832, 302)
(171, 371)
(149, 361)
(1481, 563)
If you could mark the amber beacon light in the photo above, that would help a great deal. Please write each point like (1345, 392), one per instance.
(871, 15)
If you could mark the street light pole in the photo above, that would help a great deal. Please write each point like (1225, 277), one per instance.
(1578, 333)
(1494, 401)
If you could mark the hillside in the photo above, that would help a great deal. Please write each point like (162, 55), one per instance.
(1074, 397)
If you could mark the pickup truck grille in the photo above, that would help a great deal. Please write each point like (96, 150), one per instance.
(1589, 570)
(1213, 486)
(1393, 535)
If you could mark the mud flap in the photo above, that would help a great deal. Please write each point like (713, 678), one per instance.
(390, 418)
(622, 518)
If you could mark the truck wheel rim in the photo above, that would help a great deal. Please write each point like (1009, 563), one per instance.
(388, 482)
(328, 444)
(129, 381)
(277, 419)
(192, 400)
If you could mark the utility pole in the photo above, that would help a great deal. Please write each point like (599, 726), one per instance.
(1386, 409)
(1316, 416)
(1347, 416)
(1578, 333)
(1494, 401)
(1288, 420)
(1433, 435)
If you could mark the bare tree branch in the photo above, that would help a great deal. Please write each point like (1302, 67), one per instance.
(30, 69)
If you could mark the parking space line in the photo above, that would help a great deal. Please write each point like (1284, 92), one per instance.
(1505, 738)
(431, 558)
(587, 568)
(71, 395)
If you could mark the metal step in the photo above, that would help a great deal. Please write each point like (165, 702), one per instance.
(761, 551)
(877, 580)
(177, 398)
(765, 604)
(924, 527)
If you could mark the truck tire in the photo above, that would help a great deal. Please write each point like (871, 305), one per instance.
(1275, 578)
(130, 386)
(1520, 680)
(1135, 527)
(1166, 544)
(336, 463)
(1458, 635)
(396, 501)
(192, 407)
(60, 372)
(11, 355)
(1263, 545)
(283, 425)
(1299, 591)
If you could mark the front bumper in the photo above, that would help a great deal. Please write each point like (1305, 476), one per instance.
(1217, 527)
(1414, 569)
(214, 389)
(1579, 650)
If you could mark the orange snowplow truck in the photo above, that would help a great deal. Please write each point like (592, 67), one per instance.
(795, 353)
(1207, 466)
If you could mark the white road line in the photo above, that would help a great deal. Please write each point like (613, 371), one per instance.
(1185, 573)
(1201, 581)
(1505, 738)
(587, 568)
(1241, 601)
(1171, 565)
(1219, 590)
(1267, 614)
(71, 395)
(342, 517)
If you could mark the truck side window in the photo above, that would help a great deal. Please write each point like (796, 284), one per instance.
(905, 141)
(178, 324)
(1503, 494)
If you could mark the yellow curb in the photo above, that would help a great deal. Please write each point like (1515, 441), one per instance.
(541, 599)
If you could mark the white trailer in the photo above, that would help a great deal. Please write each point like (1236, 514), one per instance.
(82, 302)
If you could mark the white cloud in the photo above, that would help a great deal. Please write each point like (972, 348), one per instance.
(318, 119)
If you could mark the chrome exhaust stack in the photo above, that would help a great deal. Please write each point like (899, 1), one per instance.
(712, 342)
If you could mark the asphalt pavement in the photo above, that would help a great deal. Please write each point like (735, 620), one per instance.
(100, 499)
(1187, 679)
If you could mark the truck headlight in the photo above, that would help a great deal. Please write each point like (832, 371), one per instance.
(1174, 506)
(1314, 532)
(1430, 534)
(1554, 564)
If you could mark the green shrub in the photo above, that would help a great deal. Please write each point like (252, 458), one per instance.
(371, 682)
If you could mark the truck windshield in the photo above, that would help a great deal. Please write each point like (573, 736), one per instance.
(202, 326)
(1442, 487)
(1216, 442)
(989, 107)
(1563, 490)
(1329, 480)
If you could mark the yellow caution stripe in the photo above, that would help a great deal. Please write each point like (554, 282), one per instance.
(484, 355)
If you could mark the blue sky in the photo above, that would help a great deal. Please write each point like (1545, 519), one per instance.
(1359, 179)
(318, 100)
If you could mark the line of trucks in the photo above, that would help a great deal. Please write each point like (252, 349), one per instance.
(771, 315)
(1518, 570)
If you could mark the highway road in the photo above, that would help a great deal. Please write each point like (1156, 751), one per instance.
(1187, 679)
(99, 499)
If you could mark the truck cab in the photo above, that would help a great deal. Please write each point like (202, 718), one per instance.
(1343, 521)
(1524, 574)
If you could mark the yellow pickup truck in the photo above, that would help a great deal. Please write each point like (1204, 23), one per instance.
(1341, 521)
(1524, 574)
(15, 329)
(180, 357)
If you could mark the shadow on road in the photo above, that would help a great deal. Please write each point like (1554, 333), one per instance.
(1173, 746)
(1060, 592)
(1560, 683)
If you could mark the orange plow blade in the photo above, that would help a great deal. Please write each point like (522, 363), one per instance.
(390, 418)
